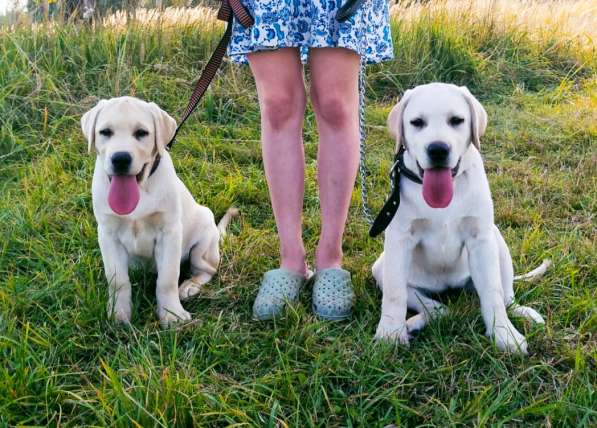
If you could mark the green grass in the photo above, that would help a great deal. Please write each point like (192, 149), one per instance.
(65, 363)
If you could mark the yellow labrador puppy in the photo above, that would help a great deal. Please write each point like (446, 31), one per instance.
(143, 210)
(443, 234)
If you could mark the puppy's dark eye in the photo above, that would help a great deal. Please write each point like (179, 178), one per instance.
(418, 122)
(140, 133)
(455, 120)
(106, 132)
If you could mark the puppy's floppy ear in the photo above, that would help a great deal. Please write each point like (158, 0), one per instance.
(164, 127)
(478, 116)
(88, 121)
(395, 124)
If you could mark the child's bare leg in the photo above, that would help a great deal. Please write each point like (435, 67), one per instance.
(335, 97)
(281, 91)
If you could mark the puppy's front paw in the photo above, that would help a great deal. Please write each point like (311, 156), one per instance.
(188, 289)
(172, 315)
(121, 313)
(392, 332)
(509, 340)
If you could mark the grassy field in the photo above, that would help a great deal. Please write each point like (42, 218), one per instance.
(64, 363)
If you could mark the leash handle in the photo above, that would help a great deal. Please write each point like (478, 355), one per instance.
(348, 9)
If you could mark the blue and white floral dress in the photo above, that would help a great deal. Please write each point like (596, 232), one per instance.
(308, 24)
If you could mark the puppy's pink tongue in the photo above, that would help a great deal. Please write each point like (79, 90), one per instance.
(123, 196)
(438, 188)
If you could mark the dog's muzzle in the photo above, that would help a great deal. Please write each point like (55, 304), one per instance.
(454, 170)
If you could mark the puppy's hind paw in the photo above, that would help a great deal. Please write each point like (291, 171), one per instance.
(416, 323)
(528, 313)
(188, 289)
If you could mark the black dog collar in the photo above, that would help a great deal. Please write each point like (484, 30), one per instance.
(390, 208)
(155, 165)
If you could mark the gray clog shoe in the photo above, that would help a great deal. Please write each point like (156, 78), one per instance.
(333, 296)
(278, 287)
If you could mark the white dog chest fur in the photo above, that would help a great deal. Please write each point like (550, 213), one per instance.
(138, 236)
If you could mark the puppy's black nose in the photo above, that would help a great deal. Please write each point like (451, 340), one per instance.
(121, 162)
(438, 153)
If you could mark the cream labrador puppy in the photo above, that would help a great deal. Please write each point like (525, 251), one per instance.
(443, 234)
(143, 210)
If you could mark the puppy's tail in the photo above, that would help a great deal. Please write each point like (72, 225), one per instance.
(225, 220)
(535, 273)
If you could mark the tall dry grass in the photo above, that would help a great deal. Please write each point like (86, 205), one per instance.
(568, 18)
(169, 17)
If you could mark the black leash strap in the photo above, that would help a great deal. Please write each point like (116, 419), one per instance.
(390, 208)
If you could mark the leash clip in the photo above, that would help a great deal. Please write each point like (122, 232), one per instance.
(395, 165)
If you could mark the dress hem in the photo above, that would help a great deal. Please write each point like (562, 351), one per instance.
(240, 57)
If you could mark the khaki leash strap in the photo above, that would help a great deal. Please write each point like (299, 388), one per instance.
(228, 11)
